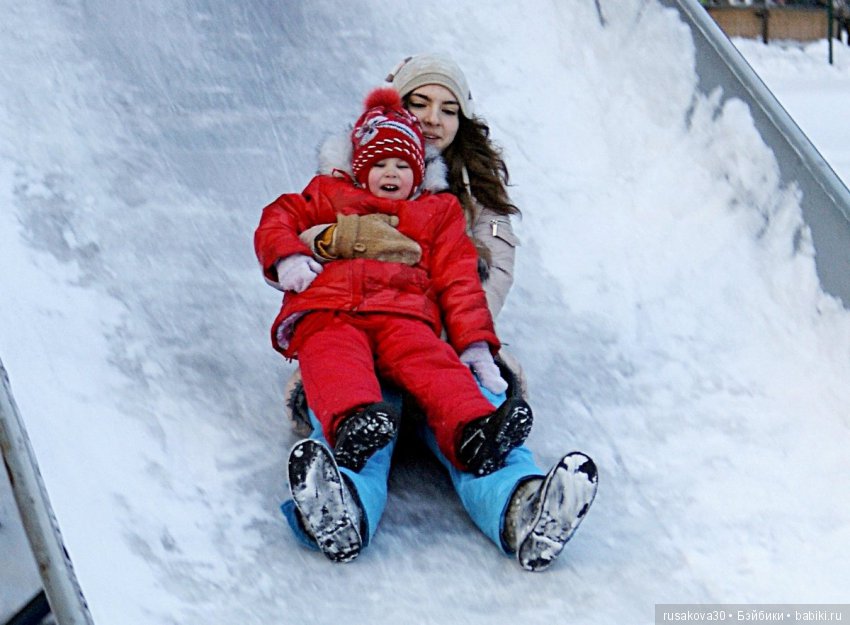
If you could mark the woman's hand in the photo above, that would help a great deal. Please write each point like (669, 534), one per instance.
(478, 358)
(297, 272)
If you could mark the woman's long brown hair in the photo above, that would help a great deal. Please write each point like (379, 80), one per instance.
(488, 173)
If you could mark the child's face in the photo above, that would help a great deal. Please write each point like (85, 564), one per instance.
(391, 178)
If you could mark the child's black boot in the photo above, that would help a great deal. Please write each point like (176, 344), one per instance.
(485, 442)
(363, 433)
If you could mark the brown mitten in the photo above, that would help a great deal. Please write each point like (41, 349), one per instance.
(371, 236)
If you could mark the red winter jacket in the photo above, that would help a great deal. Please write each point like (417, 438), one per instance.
(445, 279)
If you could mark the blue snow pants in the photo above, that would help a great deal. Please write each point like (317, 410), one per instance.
(485, 498)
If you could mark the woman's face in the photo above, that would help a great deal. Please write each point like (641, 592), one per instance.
(438, 111)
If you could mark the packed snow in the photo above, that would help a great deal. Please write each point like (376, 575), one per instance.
(666, 308)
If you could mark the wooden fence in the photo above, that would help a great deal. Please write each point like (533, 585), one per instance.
(768, 23)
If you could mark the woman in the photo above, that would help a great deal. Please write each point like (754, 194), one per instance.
(522, 509)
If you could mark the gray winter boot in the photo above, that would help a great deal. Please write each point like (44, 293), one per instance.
(328, 510)
(544, 512)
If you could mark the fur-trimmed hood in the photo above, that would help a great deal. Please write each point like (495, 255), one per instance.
(335, 155)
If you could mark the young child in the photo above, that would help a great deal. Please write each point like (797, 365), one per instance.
(348, 321)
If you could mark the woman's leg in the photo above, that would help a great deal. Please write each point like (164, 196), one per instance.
(486, 498)
(368, 487)
(337, 367)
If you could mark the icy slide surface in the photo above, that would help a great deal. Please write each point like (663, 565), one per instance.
(666, 309)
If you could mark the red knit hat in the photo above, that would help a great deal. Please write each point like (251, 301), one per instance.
(386, 130)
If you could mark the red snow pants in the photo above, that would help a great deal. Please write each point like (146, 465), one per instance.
(341, 354)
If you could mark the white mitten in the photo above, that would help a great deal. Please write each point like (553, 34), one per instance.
(296, 272)
(478, 358)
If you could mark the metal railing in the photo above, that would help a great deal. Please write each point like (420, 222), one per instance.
(825, 199)
(54, 564)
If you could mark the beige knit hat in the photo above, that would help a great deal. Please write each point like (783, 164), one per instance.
(432, 69)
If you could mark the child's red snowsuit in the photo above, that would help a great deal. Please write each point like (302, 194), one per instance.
(367, 314)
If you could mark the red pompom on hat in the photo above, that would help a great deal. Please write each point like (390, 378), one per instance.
(386, 130)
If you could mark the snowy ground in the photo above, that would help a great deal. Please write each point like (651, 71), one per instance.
(669, 325)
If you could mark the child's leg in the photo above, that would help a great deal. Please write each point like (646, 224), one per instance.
(337, 368)
(410, 354)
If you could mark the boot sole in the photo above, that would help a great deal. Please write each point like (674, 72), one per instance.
(566, 495)
(323, 501)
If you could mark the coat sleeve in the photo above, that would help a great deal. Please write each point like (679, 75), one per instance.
(308, 238)
(496, 232)
(454, 275)
(276, 236)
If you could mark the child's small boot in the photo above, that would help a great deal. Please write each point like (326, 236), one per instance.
(485, 442)
(327, 508)
(363, 433)
(544, 512)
